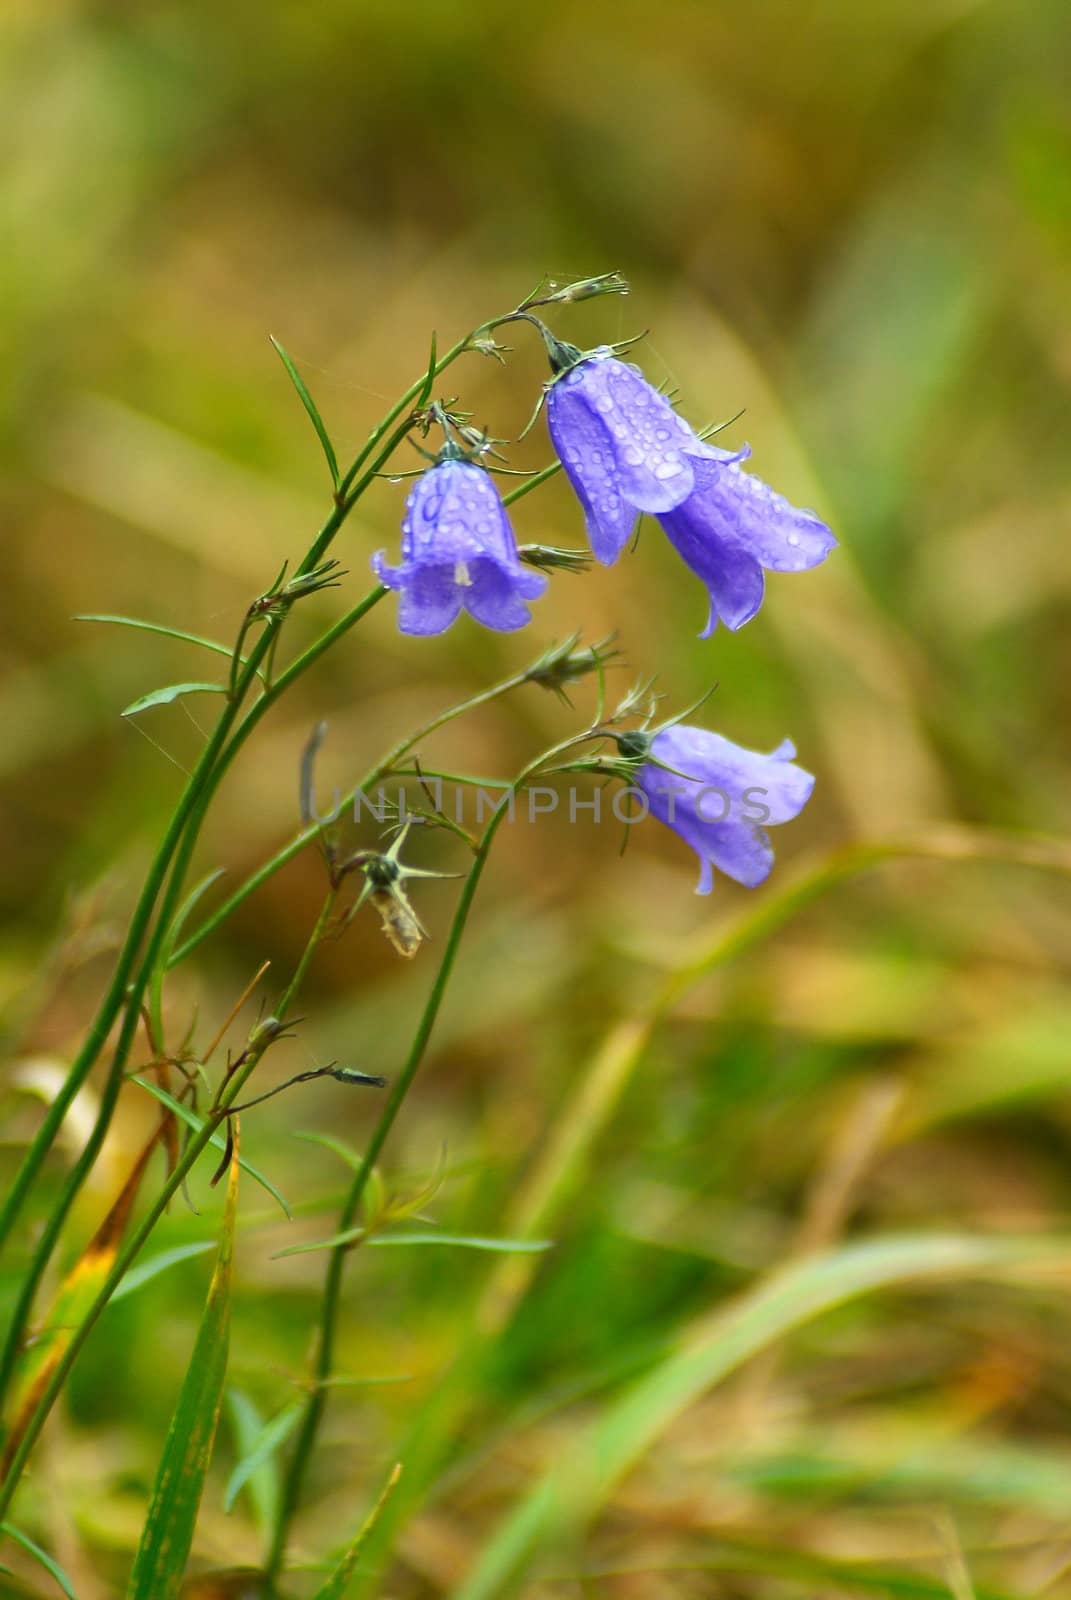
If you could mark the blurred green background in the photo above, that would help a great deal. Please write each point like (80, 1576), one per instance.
(854, 223)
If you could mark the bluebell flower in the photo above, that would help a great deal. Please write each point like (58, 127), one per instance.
(625, 450)
(458, 550)
(732, 527)
(718, 796)
(623, 447)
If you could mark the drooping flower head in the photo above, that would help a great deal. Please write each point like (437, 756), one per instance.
(458, 551)
(718, 796)
(625, 450)
(623, 447)
(733, 526)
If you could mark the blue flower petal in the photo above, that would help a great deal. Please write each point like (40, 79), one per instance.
(458, 551)
(623, 447)
(778, 534)
(494, 595)
(430, 600)
(586, 450)
(719, 797)
(731, 527)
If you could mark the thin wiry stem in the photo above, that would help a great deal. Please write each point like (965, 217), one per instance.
(330, 1305)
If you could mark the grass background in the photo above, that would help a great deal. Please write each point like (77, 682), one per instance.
(853, 222)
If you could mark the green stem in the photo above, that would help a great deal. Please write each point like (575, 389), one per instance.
(346, 497)
(114, 998)
(314, 1409)
(180, 836)
(130, 1250)
(307, 835)
(57, 1216)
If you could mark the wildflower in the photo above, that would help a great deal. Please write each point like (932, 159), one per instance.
(717, 795)
(625, 450)
(623, 447)
(458, 550)
(731, 527)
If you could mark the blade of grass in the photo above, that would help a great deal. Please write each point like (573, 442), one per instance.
(338, 1582)
(352, 1158)
(264, 1484)
(462, 1241)
(260, 1451)
(714, 1346)
(168, 1532)
(137, 1277)
(41, 1556)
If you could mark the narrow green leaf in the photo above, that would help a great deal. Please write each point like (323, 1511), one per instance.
(168, 1532)
(265, 1484)
(144, 1273)
(261, 1450)
(38, 1554)
(164, 697)
(462, 1241)
(710, 1349)
(158, 627)
(307, 401)
(338, 1582)
(217, 1140)
(336, 1146)
(466, 1241)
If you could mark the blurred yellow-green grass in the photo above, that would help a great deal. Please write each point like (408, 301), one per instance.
(854, 225)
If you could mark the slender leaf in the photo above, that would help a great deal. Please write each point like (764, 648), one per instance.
(263, 1447)
(307, 401)
(712, 1348)
(168, 1532)
(338, 1582)
(462, 1241)
(265, 1483)
(217, 1140)
(159, 627)
(336, 1146)
(40, 1555)
(144, 1273)
(164, 697)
